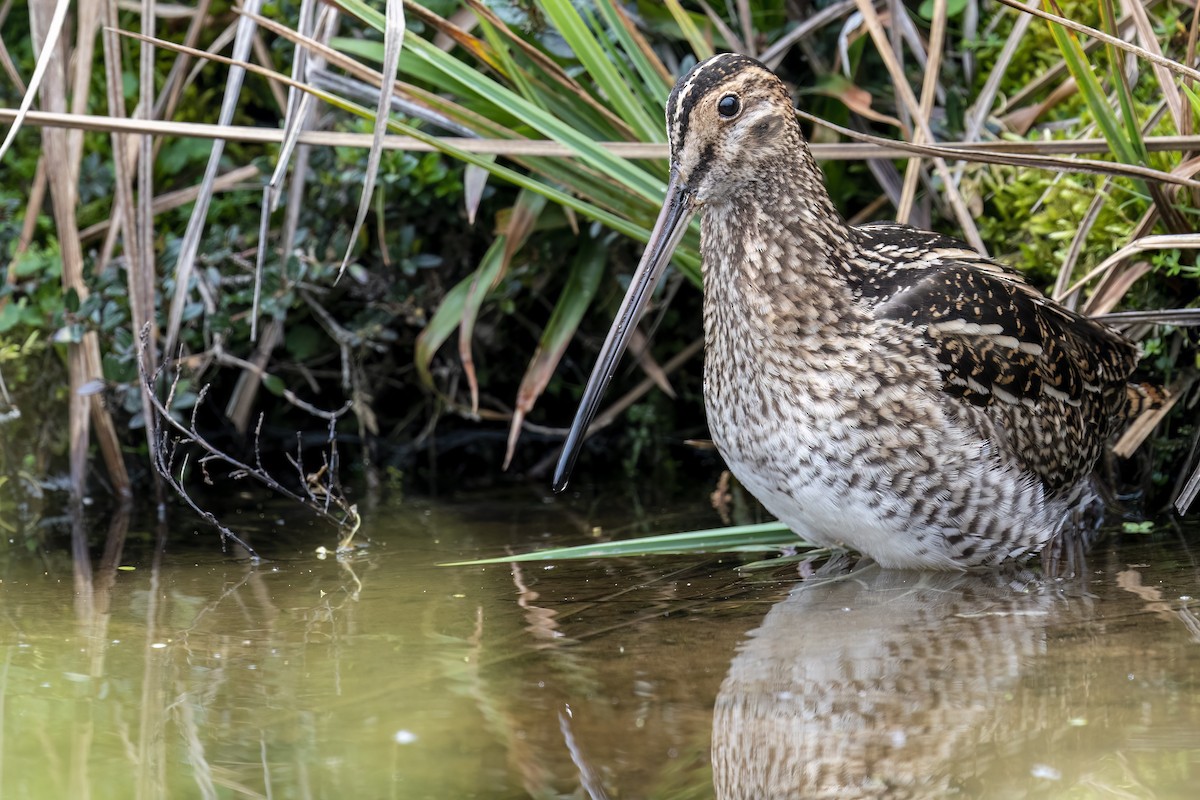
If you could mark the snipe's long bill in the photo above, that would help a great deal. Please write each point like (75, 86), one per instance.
(877, 387)
(668, 230)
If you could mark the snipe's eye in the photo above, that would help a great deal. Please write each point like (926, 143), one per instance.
(729, 106)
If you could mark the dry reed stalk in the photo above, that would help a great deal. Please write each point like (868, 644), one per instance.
(1020, 120)
(393, 38)
(978, 113)
(1038, 155)
(1077, 241)
(1113, 287)
(144, 230)
(175, 83)
(912, 172)
(10, 69)
(83, 357)
(961, 214)
(1140, 245)
(747, 19)
(87, 24)
(1056, 73)
(139, 273)
(1145, 32)
(262, 54)
(190, 246)
(1106, 38)
(774, 54)
(241, 402)
(298, 118)
(1141, 428)
(732, 40)
(37, 198)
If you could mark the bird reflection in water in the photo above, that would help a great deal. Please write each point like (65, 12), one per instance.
(877, 683)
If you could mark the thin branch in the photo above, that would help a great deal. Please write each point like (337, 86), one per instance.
(322, 490)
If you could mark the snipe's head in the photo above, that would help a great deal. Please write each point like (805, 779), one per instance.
(732, 127)
(731, 123)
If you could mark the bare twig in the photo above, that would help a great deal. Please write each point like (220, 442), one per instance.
(322, 491)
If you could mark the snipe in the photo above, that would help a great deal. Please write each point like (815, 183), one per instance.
(879, 387)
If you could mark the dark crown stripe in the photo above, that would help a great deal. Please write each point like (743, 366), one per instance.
(696, 85)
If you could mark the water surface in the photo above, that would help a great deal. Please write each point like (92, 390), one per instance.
(191, 673)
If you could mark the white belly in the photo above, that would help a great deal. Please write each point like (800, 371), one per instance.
(853, 520)
(871, 489)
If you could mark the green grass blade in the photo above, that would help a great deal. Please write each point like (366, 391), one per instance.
(1093, 93)
(652, 88)
(525, 211)
(444, 322)
(687, 259)
(601, 68)
(687, 26)
(491, 269)
(1133, 131)
(1194, 100)
(742, 538)
(392, 42)
(514, 72)
(635, 179)
(587, 268)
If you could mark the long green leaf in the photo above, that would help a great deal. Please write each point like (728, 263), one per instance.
(686, 257)
(653, 88)
(700, 45)
(1133, 131)
(628, 49)
(744, 538)
(443, 323)
(576, 297)
(636, 179)
(1093, 93)
(490, 270)
(514, 72)
(601, 68)
(1193, 99)
(525, 212)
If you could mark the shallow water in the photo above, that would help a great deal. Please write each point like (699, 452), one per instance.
(193, 674)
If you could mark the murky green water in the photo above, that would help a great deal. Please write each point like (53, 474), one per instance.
(385, 676)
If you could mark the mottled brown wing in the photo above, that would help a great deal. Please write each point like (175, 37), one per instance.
(1054, 381)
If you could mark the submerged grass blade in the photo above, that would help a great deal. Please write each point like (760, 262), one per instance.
(739, 538)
